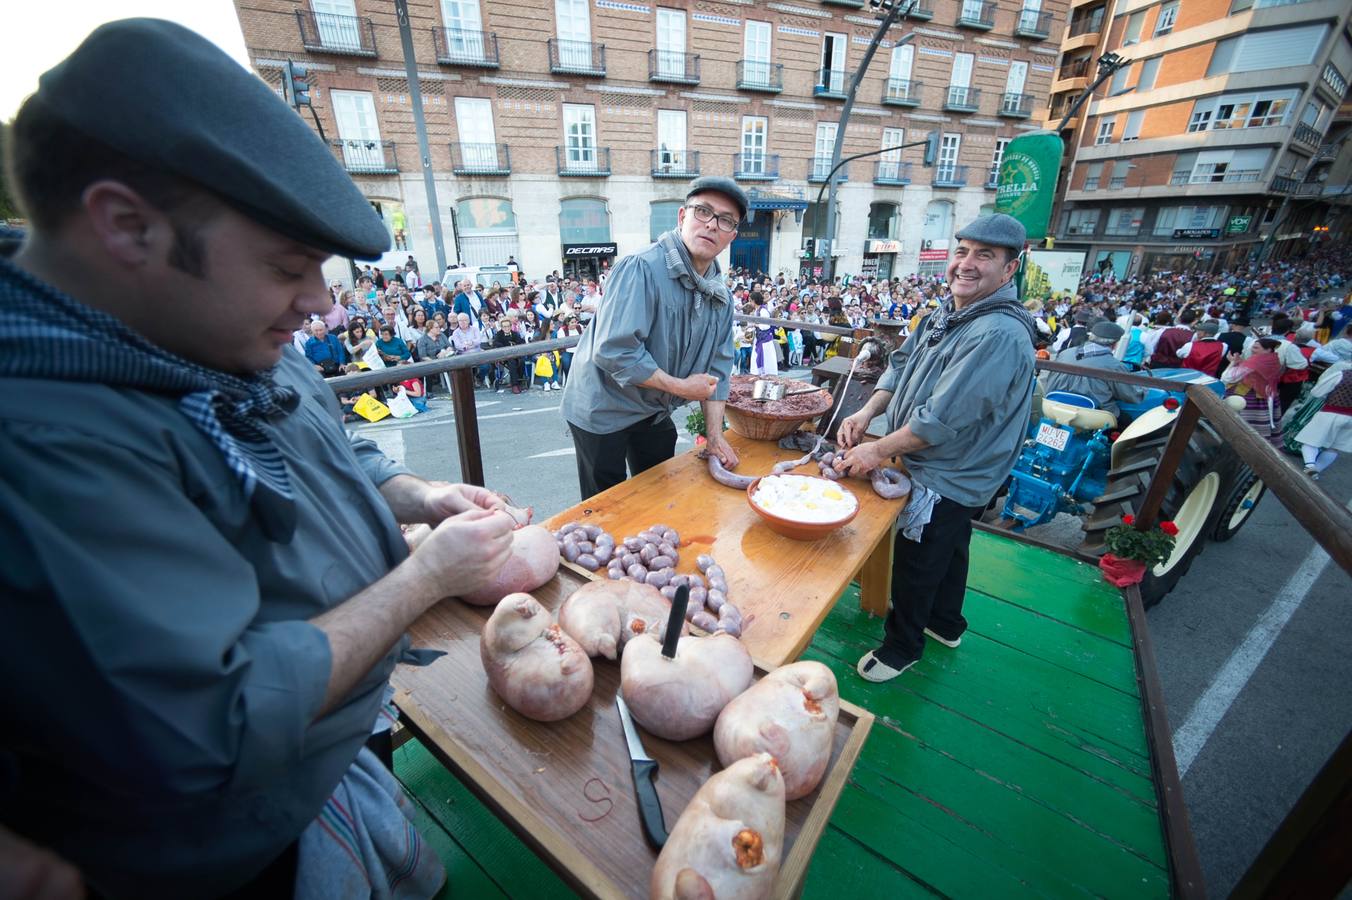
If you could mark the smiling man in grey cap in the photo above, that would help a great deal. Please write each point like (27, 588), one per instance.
(662, 337)
(956, 395)
(206, 585)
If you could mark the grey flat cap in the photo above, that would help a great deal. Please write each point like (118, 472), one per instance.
(723, 185)
(1106, 332)
(169, 98)
(1084, 316)
(998, 230)
(1210, 326)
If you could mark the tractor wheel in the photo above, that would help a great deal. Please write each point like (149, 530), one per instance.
(1190, 503)
(1241, 496)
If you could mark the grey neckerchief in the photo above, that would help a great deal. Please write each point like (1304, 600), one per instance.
(1005, 300)
(682, 268)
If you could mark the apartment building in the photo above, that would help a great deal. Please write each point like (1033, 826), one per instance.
(1219, 140)
(564, 132)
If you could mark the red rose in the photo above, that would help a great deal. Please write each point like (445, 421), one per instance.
(1169, 528)
(1128, 519)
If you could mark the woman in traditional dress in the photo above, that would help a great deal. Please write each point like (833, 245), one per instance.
(1256, 380)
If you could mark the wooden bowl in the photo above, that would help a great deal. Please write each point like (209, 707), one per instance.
(800, 531)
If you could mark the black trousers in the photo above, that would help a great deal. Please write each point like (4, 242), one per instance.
(929, 580)
(1288, 392)
(602, 458)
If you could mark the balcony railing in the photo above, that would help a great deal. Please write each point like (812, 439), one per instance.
(923, 12)
(854, 4)
(460, 47)
(892, 172)
(830, 84)
(328, 33)
(992, 177)
(675, 163)
(1309, 189)
(1117, 182)
(1017, 106)
(673, 67)
(1326, 153)
(1306, 135)
(755, 166)
(363, 157)
(754, 75)
(1033, 24)
(582, 162)
(1086, 25)
(1232, 176)
(901, 92)
(481, 159)
(963, 99)
(1281, 184)
(1076, 68)
(820, 166)
(950, 176)
(576, 57)
(976, 14)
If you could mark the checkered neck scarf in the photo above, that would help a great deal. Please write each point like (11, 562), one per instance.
(47, 334)
(1004, 300)
(682, 268)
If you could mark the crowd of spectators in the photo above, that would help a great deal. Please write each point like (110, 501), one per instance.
(395, 320)
(1267, 329)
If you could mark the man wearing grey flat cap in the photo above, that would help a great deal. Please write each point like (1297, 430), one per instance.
(662, 338)
(1095, 353)
(956, 396)
(206, 583)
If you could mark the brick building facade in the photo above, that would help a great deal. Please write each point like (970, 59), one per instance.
(1223, 132)
(559, 128)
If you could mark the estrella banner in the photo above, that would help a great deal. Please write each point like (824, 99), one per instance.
(1026, 185)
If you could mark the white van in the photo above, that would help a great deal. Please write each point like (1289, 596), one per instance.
(483, 276)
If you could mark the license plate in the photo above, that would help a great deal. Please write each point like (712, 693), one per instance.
(1050, 436)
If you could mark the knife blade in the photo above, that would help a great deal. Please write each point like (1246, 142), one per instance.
(644, 769)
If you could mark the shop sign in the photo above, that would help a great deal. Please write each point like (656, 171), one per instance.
(870, 267)
(1196, 234)
(1238, 224)
(884, 246)
(578, 251)
(933, 255)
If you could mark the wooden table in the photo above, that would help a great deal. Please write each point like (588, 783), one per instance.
(784, 587)
(565, 787)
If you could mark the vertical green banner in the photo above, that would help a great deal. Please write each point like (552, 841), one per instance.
(1026, 185)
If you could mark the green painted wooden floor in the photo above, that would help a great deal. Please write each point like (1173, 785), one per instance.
(1015, 765)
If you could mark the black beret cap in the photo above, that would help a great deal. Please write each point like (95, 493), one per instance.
(723, 185)
(170, 99)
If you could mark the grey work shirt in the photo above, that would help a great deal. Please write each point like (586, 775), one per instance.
(1105, 393)
(968, 397)
(156, 656)
(647, 321)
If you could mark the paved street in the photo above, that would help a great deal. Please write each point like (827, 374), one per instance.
(1251, 646)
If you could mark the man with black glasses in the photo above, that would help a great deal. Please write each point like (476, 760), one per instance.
(662, 337)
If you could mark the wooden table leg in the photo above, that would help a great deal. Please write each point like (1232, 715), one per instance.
(875, 577)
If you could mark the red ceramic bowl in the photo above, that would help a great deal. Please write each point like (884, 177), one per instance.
(800, 531)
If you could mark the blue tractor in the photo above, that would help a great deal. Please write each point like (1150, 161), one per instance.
(1082, 460)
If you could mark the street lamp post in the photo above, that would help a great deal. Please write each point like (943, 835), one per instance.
(894, 9)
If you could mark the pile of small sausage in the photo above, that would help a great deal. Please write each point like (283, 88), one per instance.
(651, 557)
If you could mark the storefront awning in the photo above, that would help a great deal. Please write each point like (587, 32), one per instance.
(778, 200)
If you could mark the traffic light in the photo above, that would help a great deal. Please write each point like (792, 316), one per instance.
(931, 148)
(297, 84)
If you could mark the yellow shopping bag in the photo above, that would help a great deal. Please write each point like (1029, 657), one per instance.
(544, 366)
(370, 409)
